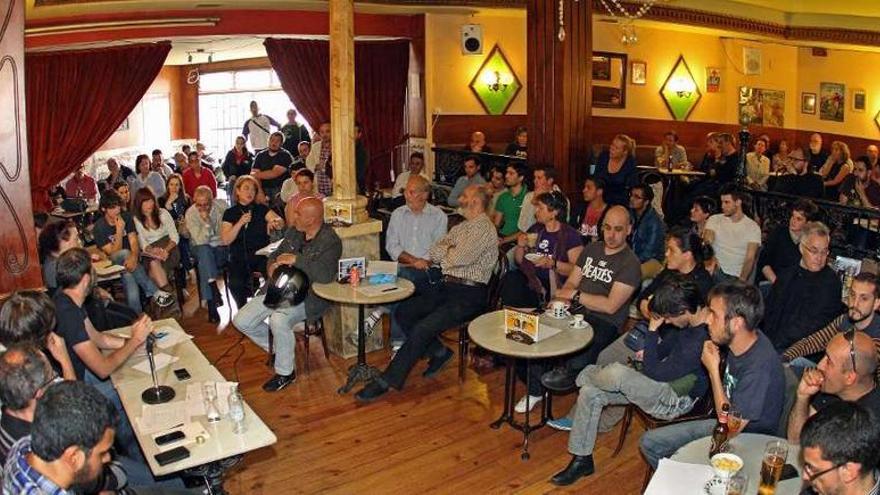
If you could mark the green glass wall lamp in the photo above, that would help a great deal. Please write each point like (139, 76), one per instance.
(680, 92)
(495, 84)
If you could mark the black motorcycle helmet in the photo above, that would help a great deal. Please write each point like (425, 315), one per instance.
(287, 287)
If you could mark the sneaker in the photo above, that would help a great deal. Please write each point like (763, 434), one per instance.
(561, 424)
(371, 321)
(163, 299)
(278, 382)
(532, 400)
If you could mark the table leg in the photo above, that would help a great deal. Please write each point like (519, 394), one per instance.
(361, 371)
(213, 473)
(509, 385)
(507, 414)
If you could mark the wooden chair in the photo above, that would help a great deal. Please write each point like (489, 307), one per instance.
(313, 329)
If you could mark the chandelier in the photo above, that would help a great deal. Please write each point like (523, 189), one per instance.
(627, 19)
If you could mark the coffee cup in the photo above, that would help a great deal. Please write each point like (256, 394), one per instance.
(558, 309)
(578, 321)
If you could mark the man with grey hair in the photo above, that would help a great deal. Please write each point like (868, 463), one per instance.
(806, 296)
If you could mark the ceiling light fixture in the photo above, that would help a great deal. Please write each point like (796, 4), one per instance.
(615, 9)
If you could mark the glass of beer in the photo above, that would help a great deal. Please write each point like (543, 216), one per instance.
(734, 421)
(738, 484)
(775, 454)
(532, 239)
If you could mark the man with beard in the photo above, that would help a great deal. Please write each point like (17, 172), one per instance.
(814, 154)
(272, 166)
(863, 302)
(752, 378)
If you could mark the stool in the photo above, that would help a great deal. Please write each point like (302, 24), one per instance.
(314, 329)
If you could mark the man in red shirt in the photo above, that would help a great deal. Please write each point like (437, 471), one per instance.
(196, 176)
(81, 186)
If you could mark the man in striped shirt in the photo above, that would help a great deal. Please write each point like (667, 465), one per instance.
(863, 302)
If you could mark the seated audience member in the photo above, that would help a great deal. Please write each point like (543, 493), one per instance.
(670, 153)
(805, 296)
(245, 230)
(295, 133)
(195, 175)
(158, 165)
(303, 149)
(670, 381)
(861, 188)
(467, 255)
(841, 449)
(802, 181)
(239, 161)
(617, 167)
(558, 246)
(412, 230)
(415, 166)
(782, 248)
(519, 146)
(782, 162)
(648, 231)
(723, 171)
(510, 203)
(123, 189)
(179, 162)
(600, 288)
(872, 153)
(116, 173)
(702, 208)
(758, 166)
(176, 202)
(494, 187)
(863, 302)
(27, 318)
(836, 169)
(752, 379)
(544, 182)
(186, 149)
(205, 155)
(303, 182)
(204, 221)
(814, 154)
(320, 160)
(845, 373)
(81, 185)
(713, 152)
(146, 177)
(116, 235)
(158, 237)
(272, 166)
(685, 254)
(313, 247)
(471, 177)
(477, 143)
(587, 217)
(735, 238)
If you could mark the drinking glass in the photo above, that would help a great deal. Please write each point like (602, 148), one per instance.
(209, 394)
(734, 422)
(738, 484)
(775, 454)
(236, 411)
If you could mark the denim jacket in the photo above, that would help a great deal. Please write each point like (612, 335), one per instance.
(647, 239)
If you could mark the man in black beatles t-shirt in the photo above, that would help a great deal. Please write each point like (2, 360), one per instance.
(272, 166)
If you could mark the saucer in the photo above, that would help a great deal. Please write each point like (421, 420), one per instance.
(549, 314)
(583, 325)
(534, 256)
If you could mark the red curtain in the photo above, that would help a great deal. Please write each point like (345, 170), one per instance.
(76, 100)
(303, 67)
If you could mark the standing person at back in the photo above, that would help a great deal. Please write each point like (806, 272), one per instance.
(258, 127)
(294, 133)
(734, 236)
(272, 166)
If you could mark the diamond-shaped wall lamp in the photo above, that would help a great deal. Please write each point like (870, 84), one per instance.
(680, 91)
(877, 120)
(495, 85)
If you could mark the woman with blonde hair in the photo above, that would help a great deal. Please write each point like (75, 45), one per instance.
(836, 169)
(617, 167)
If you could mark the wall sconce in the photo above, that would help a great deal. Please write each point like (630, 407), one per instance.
(495, 84)
(680, 91)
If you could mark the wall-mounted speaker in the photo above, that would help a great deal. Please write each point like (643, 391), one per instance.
(471, 39)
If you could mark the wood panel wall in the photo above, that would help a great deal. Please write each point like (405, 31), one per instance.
(19, 266)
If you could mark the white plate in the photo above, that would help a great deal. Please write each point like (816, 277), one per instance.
(533, 257)
(579, 327)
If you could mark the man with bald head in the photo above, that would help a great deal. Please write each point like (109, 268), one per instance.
(873, 154)
(116, 173)
(608, 277)
(313, 247)
(815, 154)
(846, 373)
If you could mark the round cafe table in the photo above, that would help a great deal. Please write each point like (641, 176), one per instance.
(487, 331)
(750, 447)
(346, 294)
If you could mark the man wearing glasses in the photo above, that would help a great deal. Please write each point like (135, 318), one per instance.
(846, 373)
(805, 297)
(648, 232)
(841, 449)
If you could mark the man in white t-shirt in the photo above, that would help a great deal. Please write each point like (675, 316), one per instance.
(416, 166)
(258, 128)
(734, 236)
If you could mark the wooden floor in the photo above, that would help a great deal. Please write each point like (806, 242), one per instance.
(433, 437)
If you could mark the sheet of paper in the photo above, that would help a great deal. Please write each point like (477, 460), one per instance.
(376, 266)
(679, 477)
(162, 360)
(377, 290)
(167, 338)
(161, 417)
(271, 248)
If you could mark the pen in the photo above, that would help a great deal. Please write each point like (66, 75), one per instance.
(390, 289)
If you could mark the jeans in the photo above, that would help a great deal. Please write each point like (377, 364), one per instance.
(209, 259)
(251, 321)
(618, 384)
(425, 317)
(422, 281)
(665, 441)
(133, 282)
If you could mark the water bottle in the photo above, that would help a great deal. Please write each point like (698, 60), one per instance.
(236, 410)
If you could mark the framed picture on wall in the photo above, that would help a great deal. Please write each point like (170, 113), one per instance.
(832, 101)
(713, 79)
(808, 103)
(639, 72)
(858, 100)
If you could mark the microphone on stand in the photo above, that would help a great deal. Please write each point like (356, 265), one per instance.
(157, 394)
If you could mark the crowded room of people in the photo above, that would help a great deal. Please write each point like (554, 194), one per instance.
(440, 246)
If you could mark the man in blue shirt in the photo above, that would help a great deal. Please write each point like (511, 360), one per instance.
(648, 233)
(752, 379)
(471, 177)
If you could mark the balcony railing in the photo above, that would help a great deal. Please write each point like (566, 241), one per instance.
(449, 163)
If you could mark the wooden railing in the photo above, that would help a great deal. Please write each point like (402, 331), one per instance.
(449, 163)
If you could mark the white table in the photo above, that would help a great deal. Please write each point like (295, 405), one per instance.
(750, 447)
(487, 331)
(224, 448)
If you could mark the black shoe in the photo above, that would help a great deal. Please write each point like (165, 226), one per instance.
(215, 294)
(213, 315)
(278, 382)
(375, 389)
(580, 466)
(558, 380)
(437, 363)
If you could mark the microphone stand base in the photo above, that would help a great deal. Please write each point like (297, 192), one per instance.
(158, 395)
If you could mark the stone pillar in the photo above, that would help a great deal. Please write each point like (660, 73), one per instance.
(560, 76)
(19, 265)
